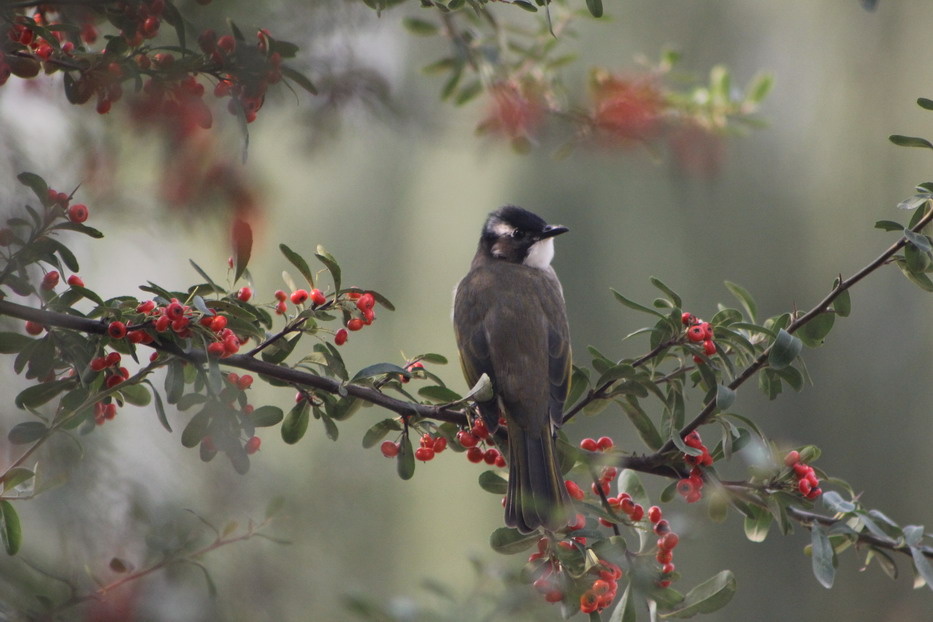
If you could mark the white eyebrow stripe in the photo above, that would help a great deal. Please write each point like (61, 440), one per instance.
(501, 228)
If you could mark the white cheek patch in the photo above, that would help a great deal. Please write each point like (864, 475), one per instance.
(501, 229)
(540, 254)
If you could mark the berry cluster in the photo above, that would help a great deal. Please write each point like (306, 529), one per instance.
(604, 443)
(808, 484)
(478, 445)
(667, 541)
(430, 445)
(553, 583)
(691, 488)
(111, 364)
(699, 331)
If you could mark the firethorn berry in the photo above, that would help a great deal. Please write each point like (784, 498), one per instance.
(667, 568)
(146, 307)
(466, 439)
(440, 444)
(216, 349)
(231, 344)
(638, 512)
(50, 280)
(244, 294)
(75, 281)
(574, 490)
(34, 328)
(792, 458)
(226, 44)
(664, 556)
(665, 583)
(389, 449)
(696, 333)
(424, 454)
(355, 324)
(490, 456)
(654, 514)
(707, 330)
(281, 308)
(218, 323)
(588, 602)
(299, 296)
(233, 377)
(116, 330)
(709, 347)
(317, 297)
(100, 363)
(110, 410)
(252, 445)
(589, 444)
(245, 382)
(368, 316)
(366, 301)
(604, 443)
(78, 212)
(340, 337)
(475, 455)
(668, 541)
(113, 381)
(113, 359)
(804, 486)
(174, 311)
(688, 318)
(161, 324)
(280, 295)
(685, 487)
(662, 527)
(600, 587)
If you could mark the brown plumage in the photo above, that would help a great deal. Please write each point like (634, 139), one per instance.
(511, 324)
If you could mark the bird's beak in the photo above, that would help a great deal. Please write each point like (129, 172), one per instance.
(551, 230)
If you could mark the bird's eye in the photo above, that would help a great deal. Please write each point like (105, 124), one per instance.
(518, 234)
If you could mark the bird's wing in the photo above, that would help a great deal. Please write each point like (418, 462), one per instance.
(559, 370)
(475, 356)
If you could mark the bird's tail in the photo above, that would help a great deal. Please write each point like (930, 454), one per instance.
(537, 496)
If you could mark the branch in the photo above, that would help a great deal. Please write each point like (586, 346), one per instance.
(246, 362)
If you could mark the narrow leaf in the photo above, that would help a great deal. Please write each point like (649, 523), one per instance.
(296, 423)
(27, 432)
(405, 462)
(823, 556)
(711, 595)
(744, 298)
(490, 481)
(631, 304)
(332, 266)
(509, 541)
(242, 235)
(910, 141)
(724, 397)
(12, 530)
(299, 262)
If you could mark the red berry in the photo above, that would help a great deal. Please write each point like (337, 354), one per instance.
(113, 381)
(299, 296)
(792, 458)
(554, 596)
(318, 298)
(110, 411)
(218, 323)
(814, 493)
(281, 308)
(491, 456)
(604, 443)
(226, 44)
(709, 347)
(113, 359)
(667, 568)
(280, 295)
(688, 318)
(146, 307)
(50, 280)
(685, 487)
(662, 527)
(638, 512)
(664, 556)
(475, 455)
(574, 490)
(665, 583)
(245, 382)
(161, 324)
(216, 349)
(245, 294)
(589, 444)
(389, 449)
(366, 301)
(231, 344)
(252, 445)
(355, 324)
(696, 333)
(99, 363)
(801, 469)
(440, 444)
(424, 454)
(34, 328)
(654, 514)
(588, 602)
(175, 311)
(804, 486)
(116, 330)
(466, 439)
(78, 212)
(601, 587)
(668, 541)
(340, 337)
(75, 281)
(233, 378)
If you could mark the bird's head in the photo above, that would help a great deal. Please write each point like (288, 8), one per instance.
(516, 235)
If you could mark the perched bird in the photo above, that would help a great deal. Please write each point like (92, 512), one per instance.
(511, 324)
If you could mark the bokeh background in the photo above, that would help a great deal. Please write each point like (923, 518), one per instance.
(397, 193)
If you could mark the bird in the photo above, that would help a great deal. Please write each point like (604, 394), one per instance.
(510, 323)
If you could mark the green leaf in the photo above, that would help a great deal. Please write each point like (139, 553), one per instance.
(196, 429)
(11, 343)
(332, 266)
(834, 501)
(39, 394)
(671, 294)
(12, 531)
(759, 88)
(16, 476)
(174, 382)
(824, 557)
(926, 104)
(784, 350)
(379, 369)
(266, 416)
(299, 78)
(814, 332)
(912, 203)
(842, 305)
(160, 408)
(910, 141)
(631, 304)
(509, 541)
(595, 7)
(298, 261)
(468, 92)
(242, 246)
(27, 432)
(490, 481)
(330, 428)
(438, 394)
(913, 534)
(36, 184)
(579, 383)
(918, 240)
(435, 359)
(744, 298)
(757, 525)
(281, 349)
(724, 397)
(420, 27)
(889, 225)
(405, 462)
(709, 596)
(643, 424)
(296, 423)
(379, 431)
